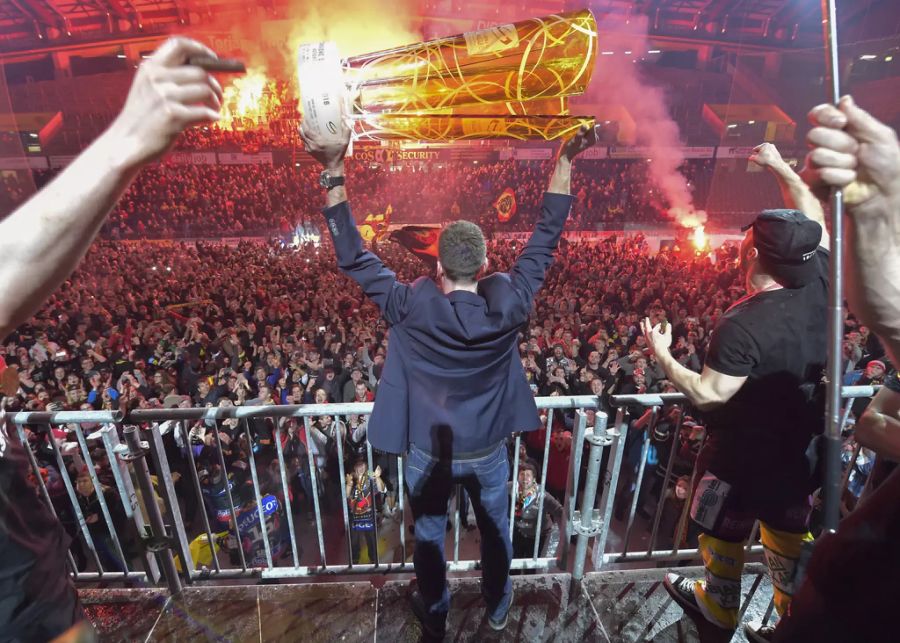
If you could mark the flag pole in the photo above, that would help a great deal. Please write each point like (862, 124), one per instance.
(832, 484)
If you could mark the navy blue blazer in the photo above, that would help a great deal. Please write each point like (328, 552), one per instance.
(453, 380)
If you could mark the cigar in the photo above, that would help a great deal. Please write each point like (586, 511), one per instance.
(226, 65)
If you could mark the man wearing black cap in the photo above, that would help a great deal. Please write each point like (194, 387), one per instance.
(766, 357)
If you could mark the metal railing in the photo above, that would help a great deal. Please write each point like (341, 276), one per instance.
(153, 530)
(655, 403)
(143, 513)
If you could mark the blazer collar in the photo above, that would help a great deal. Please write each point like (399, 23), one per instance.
(465, 296)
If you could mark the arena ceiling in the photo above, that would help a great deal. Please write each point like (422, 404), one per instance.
(47, 24)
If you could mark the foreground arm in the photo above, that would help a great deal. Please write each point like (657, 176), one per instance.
(42, 242)
(796, 193)
(361, 265)
(854, 151)
(879, 427)
(706, 390)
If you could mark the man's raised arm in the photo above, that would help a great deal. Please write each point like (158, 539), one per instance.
(363, 266)
(794, 190)
(531, 267)
(43, 240)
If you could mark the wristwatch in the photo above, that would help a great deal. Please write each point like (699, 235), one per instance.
(329, 182)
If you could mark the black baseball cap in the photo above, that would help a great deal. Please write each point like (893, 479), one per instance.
(786, 241)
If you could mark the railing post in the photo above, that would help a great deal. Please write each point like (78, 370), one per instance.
(115, 451)
(572, 482)
(618, 435)
(163, 550)
(167, 487)
(586, 522)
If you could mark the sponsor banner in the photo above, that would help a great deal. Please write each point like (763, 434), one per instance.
(629, 152)
(734, 152)
(23, 163)
(61, 160)
(534, 153)
(595, 153)
(239, 158)
(644, 152)
(191, 158)
(698, 152)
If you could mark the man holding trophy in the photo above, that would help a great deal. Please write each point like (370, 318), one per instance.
(453, 388)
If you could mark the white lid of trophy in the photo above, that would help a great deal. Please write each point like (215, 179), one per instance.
(507, 82)
(322, 89)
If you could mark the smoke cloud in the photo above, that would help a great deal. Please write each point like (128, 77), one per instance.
(617, 80)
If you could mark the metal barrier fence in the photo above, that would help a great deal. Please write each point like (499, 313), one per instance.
(136, 519)
(139, 517)
(613, 477)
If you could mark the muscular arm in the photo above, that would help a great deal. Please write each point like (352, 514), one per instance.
(794, 190)
(706, 390)
(879, 427)
(873, 275)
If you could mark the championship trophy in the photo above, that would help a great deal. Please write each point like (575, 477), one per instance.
(511, 82)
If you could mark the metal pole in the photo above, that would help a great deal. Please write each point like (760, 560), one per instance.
(514, 487)
(229, 496)
(401, 492)
(586, 523)
(618, 435)
(285, 489)
(315, 489)
(456, 523)
(201, 503)
(342, 481)
(116, 452)
(101, 497)
(571, 495)
(540, 516)
(832, 486)
(164, 554)
(167, 487)
(257, 495)
(73, 498)
(373, 555)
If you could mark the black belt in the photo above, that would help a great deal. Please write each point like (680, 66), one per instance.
(467, 455)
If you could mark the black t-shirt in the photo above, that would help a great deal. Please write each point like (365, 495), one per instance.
(778, 340)
(33, 579)
(892, 382)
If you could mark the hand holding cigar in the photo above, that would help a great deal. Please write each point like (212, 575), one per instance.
(223, 65)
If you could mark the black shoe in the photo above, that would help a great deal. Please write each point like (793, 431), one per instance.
(759, 633)
(430, 631)
(682, 590)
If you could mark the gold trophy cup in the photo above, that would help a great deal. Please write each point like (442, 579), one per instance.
(512, 81)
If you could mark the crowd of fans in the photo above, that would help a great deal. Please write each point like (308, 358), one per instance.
(195, 201)
(179, 325)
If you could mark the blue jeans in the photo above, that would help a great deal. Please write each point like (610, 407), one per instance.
(430, 484)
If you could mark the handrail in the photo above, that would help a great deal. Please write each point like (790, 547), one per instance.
(659, 399)
(244, 412)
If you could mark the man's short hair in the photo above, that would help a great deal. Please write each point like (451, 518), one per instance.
(462, 250)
